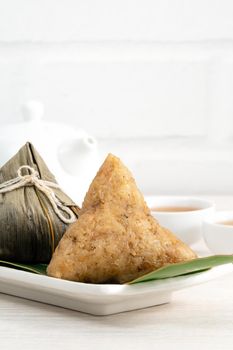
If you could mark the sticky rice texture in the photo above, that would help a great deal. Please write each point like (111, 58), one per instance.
(115, 238)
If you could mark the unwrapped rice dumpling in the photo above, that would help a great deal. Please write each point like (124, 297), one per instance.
(34, 215)
(115, 239)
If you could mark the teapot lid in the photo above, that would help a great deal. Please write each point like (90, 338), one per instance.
(33, 126)
(47, 136)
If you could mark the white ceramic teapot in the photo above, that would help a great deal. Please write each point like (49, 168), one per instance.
(71, 154)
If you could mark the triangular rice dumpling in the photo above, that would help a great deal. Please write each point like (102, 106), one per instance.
(29, 228)
(115, 239)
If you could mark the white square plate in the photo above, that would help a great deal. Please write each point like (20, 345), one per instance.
(99, 299)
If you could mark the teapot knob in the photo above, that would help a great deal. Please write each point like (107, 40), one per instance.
(32, 111)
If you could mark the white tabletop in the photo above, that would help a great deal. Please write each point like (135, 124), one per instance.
(200, 317)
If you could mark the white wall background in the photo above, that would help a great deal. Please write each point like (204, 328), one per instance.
(151, 79)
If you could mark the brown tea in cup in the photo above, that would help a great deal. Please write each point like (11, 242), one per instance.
(228, 223)
(174, 209)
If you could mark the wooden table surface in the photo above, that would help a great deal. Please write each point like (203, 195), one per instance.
(200, 317)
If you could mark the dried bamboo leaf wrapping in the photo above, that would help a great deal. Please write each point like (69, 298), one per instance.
(29, 228)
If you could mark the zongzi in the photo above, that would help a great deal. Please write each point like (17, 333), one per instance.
(34, 211)
(115, 238)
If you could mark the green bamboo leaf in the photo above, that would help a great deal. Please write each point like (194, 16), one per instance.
(185, 268)
(40, 269)
(172, 270)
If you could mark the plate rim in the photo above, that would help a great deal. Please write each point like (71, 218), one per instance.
(37, 282)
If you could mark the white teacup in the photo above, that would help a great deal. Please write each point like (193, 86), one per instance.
(184, 216)
(218, 233)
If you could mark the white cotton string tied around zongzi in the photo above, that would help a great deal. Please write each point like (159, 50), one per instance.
(33, 179)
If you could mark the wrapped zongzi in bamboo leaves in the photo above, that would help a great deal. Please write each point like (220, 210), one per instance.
(34, 211)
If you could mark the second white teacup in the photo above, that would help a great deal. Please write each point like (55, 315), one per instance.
(218, 232)
(184, 216)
